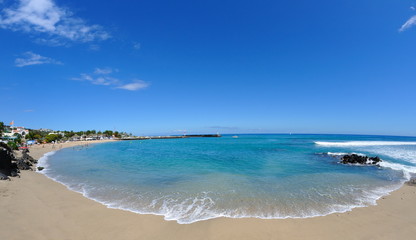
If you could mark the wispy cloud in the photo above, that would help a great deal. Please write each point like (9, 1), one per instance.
(44, 16)
(30, 58)
(134, 86)
(94, 47)
(97, 79)
(136, 45)
(102, 76)
(104, 71)
(408, 24)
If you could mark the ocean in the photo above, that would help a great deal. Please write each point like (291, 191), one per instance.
(269, 176)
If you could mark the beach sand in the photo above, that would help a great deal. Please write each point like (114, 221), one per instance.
(35, 207)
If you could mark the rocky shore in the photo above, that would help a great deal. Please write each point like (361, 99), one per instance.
(10, 165)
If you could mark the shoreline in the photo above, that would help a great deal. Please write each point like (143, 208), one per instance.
(37, 207)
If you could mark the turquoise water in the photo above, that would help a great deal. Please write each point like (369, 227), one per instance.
(263, 176)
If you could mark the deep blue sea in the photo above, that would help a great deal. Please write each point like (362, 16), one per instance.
(263, 176)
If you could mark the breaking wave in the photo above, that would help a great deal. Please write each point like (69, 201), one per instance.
(364, 143)
(408, 171)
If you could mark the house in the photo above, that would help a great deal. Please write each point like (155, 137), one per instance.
(11, 131)
(45, 130)
(75, 138)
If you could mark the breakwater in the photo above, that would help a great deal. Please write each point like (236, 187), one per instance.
(171, 137)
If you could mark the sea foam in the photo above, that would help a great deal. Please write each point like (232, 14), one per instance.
(363, 143)
(43, 161)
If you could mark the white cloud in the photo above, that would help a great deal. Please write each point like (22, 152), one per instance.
(412, 8)
(408, 24)
(102, 76)
(44, 16)
(134, 86)
(30, 58)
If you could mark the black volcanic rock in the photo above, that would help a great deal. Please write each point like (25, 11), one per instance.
(359, 159)
(9, 165)
(6, 158)
(4, 177)
(23, 165)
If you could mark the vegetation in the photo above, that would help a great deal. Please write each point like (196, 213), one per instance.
(13, 145)
(18, 139)
(36, 135)
(2, 127)
(53, 138)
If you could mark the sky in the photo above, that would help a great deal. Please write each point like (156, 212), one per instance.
(169, 67)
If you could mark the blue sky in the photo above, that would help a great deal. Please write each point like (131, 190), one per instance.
(162, 67)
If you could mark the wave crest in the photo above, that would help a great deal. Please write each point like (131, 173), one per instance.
(363, 143)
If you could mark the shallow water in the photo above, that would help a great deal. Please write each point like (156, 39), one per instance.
(265, 176)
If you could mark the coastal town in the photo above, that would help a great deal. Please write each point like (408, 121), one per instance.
(16, 143)
(18, 136)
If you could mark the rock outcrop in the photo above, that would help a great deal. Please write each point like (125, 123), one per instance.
(354, 158)
(7, 158)
(359, 159)
(10, 166)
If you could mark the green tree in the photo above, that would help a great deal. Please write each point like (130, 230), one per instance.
(2, 126)
(52, 137)
(13, 145)
(35, 135)
(108, 133)
(18, 139)
(69, 134)
(30, 135)
(117, 134)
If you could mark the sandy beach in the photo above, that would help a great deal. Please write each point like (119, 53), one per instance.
(36, 207)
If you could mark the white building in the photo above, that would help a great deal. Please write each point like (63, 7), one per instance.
(20, 130)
